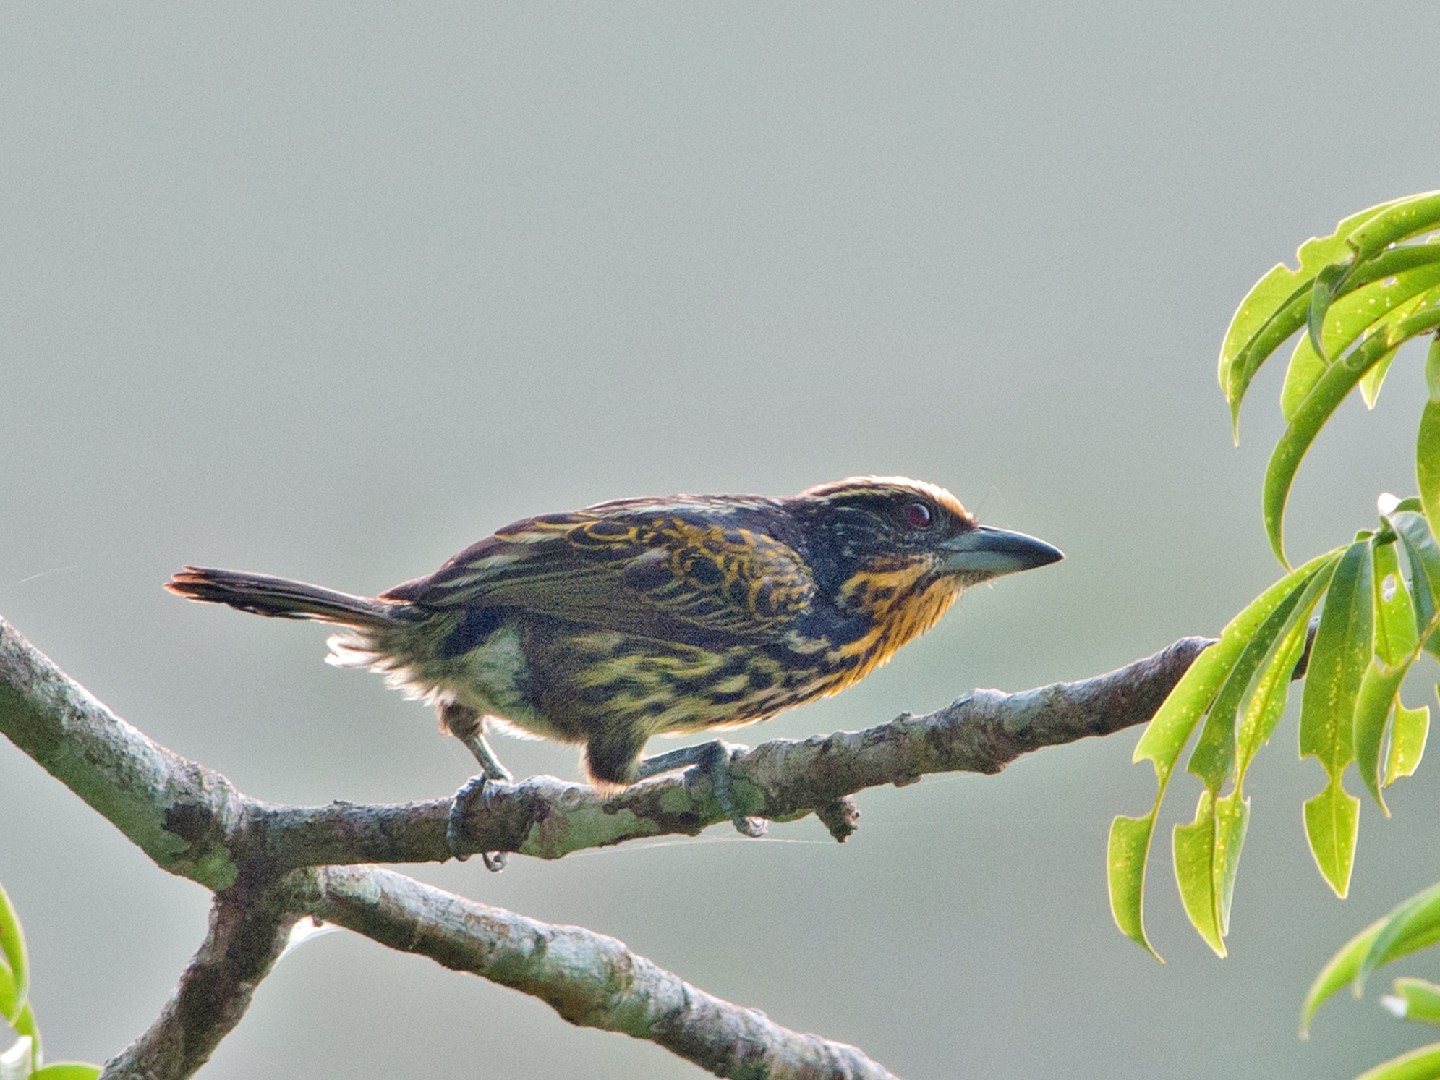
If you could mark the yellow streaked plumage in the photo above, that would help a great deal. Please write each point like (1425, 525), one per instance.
(607, 625)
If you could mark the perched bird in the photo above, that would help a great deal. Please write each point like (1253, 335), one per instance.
(641, 617)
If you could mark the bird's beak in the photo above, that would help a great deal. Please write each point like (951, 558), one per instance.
(983, 552)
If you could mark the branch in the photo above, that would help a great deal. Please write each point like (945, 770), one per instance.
(589, 979)
(181, 814)
(265, 862)
(193, 822)
(248, 930)
(780, 780)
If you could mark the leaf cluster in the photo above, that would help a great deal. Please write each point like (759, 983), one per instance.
(1357, 297)
(22, 1060)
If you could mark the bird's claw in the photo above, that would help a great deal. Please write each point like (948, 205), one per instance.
(713, 760)
(715, 763)
(455, 824)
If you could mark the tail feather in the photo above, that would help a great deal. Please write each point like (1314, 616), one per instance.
(281, 598)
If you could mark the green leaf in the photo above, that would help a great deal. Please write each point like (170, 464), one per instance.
(1165, 738)
(1379, 287)
(1232, 818)
(1338, 971)
(67, 1070)
(1324, 397)
(1423, 556)
(1207, 855)
(1301, 375)
(1283, 300)
(1273, 310)
(1327, 286)
(1388, 302)
(1338, 659)
(1395, 221)
(9, 998)
(1395, 629)
(1413, 925)
(1127, 850)
(1277, 305)
(1174, 722)
(1332, 821)
(1370, 382)
(1193, 847)
(24, 1024)
(13, 958)
(1396, 295)
(1407, 741)
(1427, 444)
(1277, 669)
(1394, 651)
(1421, 1064)
(1432, 369)
(1272, 690)
(1214, 755)
(1417, 1000)
(1379, 693)
(24, 1056)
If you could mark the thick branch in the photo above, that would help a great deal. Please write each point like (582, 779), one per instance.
(248, 931)
(179, 813)
(589, 979)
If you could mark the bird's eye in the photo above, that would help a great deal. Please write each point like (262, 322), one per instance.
(918, 515)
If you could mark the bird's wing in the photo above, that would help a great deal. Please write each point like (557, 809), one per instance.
(641, 571)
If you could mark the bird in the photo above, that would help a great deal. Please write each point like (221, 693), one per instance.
(639, 617)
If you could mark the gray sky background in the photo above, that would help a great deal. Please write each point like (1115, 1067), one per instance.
(332, 290)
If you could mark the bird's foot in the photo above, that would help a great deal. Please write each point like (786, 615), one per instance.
(455, 824)
(712, 759)
(468, 725)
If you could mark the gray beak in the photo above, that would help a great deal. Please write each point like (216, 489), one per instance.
(983, 552)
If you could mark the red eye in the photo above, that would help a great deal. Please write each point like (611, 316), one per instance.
(918, 515)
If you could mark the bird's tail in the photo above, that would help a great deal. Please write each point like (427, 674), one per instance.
(281, 598)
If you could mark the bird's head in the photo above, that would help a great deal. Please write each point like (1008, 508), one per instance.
(902, 550)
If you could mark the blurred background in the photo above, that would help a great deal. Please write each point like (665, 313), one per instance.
(333, 290)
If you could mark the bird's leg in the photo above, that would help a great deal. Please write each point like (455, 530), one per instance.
(468, 726)
(712, 759)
